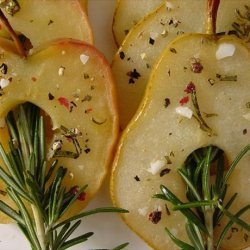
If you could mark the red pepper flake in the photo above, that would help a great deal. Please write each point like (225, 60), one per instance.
(33, 78)
(190, 88)
(196, 67)
(74, 190)
(184, 100)
(87, 111)
(64, 102)
(155, 216)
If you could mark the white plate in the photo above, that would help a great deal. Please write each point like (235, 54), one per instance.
(109, 229)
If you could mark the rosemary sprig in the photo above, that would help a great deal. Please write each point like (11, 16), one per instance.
(205, 207)
(40, 198)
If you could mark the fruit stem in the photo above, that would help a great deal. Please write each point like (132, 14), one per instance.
(39, 227)
(13, 34)
(212, 10)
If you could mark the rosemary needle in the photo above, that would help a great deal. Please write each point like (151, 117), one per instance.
(32, 183)
(205, 207)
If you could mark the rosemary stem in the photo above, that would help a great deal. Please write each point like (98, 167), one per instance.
(39, 227)
(209, 225)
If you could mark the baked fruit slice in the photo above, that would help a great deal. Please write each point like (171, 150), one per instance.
(71, 81)
(128, 13)
(198, 95)
(135, 58)
(40, 21)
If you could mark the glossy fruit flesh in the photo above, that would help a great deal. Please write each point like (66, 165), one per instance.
(72, 83)
(219, 70)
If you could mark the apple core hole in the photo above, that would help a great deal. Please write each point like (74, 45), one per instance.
(48, 125)
(217, 160)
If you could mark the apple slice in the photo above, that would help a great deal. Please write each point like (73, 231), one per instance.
(40, 21)
(128, 13)
(135, 58)
(71, 81)
(165, 127)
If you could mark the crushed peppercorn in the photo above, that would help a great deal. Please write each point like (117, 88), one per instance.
(155, 216)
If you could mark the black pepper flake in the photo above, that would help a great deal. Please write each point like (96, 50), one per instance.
(155, 216)
(86, 76)
(246, 236)
(164, 172)
(148, 66)
(173, 50)
(167, 209)
(51, 97)
(167, 102)
(137, 178)
(4, 68)
(169, 72)
(244, 131)
(131, 81)
(122, 55)
(134, 75)
(151, 41)
(87, 150)
(248, 105)
(50, 22)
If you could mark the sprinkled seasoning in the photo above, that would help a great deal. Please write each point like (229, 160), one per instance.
(166, 102)
(184, 111)
(4, 83)
(184, 100)
(61, 71)
(86, 76)
(64, 102)
(248, 105)
(164, 171)
(84, 58)
(98, 122)
(87, 150)
(134, 75)
(87, 111)
(196, 65)
(164, 33)
(137, 178)
(190, 88)
(155, 216)
(51, 97)
(229, 78)
(33, 79)
(87, 98)
(151, 41)
(50, 22)
(74, 190)
(10, 6)
(211, 81)
(167, 210)
(173, 50)
(122, 55)
(143, 55)
(244, 131)
(4, 68)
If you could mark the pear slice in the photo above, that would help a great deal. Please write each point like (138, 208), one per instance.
(72, 82)
(164, 129)
(40, 21)
(128, 13)
(135, 58)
